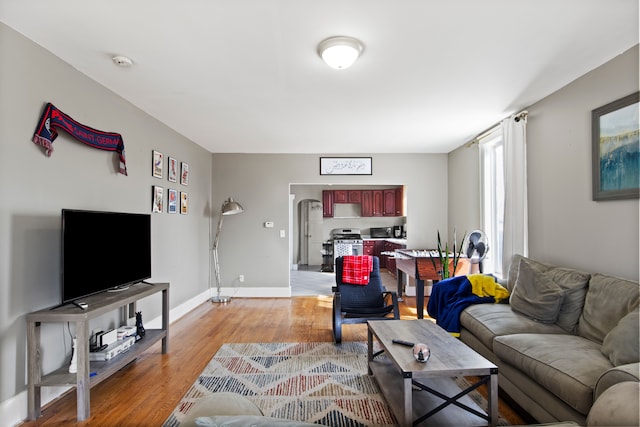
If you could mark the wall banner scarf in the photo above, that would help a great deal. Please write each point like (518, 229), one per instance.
(53, 118)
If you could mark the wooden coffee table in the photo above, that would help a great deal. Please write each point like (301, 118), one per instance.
(418, 391)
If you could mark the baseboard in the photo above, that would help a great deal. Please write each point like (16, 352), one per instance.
(257, 292)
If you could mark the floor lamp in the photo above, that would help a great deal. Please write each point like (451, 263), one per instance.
(230, 207)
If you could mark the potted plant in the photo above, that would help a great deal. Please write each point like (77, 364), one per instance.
(443, 256)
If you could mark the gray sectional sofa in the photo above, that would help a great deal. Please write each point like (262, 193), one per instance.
(563, 338)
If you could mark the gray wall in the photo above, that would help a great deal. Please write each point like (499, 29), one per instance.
(565, 226)
(464, 188)
(34, 188)
(260, 182)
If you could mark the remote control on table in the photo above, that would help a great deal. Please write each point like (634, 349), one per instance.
(401, 342)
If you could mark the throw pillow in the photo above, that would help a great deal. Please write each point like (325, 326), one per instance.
(608, 300)
(535, 295)
(514, 269)
(622, 343)
(574, 283)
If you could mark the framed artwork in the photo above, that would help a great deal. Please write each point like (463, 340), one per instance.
(615, 152)
(158, 202)
(157, 164)
(345, 166)
(172, 203)
(172, 173)
(184, 174)
(184, 203)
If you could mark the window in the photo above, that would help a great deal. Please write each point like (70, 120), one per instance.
(492, 198)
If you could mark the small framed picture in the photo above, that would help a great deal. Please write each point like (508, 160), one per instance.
(172, 164)
(158, 202)
(184, 174)
(345, 166)
(172, 204)
(157, 165)
(184, 203)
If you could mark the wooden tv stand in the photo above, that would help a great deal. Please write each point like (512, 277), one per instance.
(90, 373)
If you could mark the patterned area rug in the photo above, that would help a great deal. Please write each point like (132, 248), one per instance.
(320, 383)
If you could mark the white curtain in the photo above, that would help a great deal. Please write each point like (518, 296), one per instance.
(516, 223)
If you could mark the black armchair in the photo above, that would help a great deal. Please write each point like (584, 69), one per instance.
(359, 303)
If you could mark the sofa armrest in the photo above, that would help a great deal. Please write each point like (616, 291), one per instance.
(247, 420)
(219, 404)
(617, 406)
(618, 374)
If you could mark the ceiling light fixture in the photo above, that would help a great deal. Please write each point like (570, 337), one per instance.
(122, 61)
(340, 52)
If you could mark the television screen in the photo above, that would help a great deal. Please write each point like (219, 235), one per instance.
(103, 250)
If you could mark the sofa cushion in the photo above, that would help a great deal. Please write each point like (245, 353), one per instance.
(608, 300)
(535, 295)
(487, 321)
(574, 283)
(622, 345)
(566, 365)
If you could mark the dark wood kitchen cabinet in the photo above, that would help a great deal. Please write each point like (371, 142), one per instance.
(327, 203)
(368, 247)
(340, 196)
(389, 202)
(366, 203)
(399, 201)
(346, 196)
(377, 202)
(393, 202)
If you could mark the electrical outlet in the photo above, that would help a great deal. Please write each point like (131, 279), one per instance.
(241, 278)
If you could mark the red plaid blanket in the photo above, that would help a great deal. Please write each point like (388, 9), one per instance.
(356, 269)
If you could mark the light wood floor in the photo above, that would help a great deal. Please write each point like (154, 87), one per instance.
(145, 392)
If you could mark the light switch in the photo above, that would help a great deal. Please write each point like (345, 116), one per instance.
(282, 234)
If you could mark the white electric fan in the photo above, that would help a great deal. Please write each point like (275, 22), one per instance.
(476, 249)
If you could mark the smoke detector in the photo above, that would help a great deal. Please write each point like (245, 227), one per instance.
(122, 61)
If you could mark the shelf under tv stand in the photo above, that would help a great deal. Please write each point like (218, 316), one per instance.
(83, 380)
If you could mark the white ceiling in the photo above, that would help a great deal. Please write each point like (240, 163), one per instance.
(244, 76)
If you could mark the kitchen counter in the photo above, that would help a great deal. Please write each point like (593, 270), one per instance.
(397, 241)
(387, 239)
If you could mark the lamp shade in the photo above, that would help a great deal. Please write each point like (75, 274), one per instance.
(340, 52)
(231, 207)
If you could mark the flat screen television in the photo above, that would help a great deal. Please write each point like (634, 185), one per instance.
(103, 251)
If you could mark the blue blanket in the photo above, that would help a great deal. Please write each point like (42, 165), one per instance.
(448, 298)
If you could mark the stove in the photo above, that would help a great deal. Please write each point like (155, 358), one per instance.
(346, 241)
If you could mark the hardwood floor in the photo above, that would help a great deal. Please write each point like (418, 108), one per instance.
(145, 392)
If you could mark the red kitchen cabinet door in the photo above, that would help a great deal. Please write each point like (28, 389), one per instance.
(327, 203)
(389, 202)
(378, 202)
(399, 201)
(340, 196)
(367, 203)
